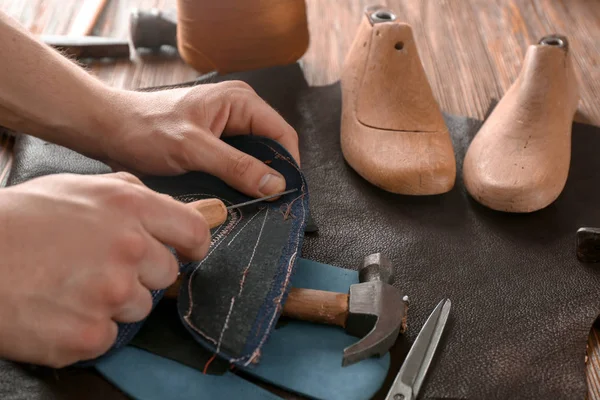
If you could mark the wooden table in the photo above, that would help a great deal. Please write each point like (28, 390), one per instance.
(471, 50)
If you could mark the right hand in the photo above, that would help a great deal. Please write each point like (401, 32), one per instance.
(80, 253)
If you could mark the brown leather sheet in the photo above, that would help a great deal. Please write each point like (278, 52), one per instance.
(522, 304)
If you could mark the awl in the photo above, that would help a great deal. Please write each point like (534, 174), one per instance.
(215, 211)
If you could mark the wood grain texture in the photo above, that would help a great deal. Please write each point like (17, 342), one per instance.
(213, 210)
(84, 22)
(472, 52)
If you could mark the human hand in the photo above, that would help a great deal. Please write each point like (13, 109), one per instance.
(175, 131)
(80, 253)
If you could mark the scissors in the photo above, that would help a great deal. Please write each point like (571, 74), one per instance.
(408, 382)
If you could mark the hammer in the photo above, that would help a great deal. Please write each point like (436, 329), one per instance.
(148, 29)
(373, 310)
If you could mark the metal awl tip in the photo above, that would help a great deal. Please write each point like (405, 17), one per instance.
(261, 199)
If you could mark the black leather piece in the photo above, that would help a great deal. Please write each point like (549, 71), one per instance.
(522, 305)
(35, 157)
(164, 334)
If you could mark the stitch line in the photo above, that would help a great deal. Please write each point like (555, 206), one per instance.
(243, 227)
(216, 242)
(278, 299)
(243, 280)
(230, 226)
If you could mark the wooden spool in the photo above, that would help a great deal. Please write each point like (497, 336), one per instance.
(229, 35)
(393, 133)
(519, 160)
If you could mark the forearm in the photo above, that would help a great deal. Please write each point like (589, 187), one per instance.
(43, 93)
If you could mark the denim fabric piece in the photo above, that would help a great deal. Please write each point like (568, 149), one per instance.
(231, 300)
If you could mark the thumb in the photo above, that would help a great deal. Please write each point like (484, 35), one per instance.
(242, 171)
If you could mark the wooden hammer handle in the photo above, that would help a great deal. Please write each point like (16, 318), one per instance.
(317, 306)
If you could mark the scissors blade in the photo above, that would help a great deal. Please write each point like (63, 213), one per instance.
(410, 378)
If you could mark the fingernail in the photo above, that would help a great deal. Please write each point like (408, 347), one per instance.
(271, 184)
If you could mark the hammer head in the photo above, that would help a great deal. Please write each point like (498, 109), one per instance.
(152, 29)
(376, 312)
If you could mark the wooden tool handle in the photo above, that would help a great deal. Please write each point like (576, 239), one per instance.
(317, 306)
(213, 210)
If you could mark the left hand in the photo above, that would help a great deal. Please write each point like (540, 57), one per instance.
(174, 131)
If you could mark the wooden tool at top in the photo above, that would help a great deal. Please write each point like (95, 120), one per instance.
(519, 160)
(392, 130)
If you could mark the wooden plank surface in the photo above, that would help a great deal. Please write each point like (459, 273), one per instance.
(471, 50)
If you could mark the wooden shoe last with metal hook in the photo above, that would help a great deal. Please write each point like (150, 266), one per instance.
(519, 160)
(393, 133)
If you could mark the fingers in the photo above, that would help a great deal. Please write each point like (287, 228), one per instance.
(242, 171)
(249, 113)
(125, 176)
(172, 223)
(160, 268)
(168, 221)
(138, 306)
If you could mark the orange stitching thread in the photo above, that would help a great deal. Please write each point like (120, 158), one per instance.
(208, 363)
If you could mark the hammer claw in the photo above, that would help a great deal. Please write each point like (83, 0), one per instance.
(379, 306)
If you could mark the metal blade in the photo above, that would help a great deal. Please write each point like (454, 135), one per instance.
(261, 199)
(410, 378)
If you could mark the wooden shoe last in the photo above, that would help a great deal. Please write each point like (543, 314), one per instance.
(392, 130)
(519, 160)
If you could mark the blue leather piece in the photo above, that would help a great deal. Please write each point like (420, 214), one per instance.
(144, 376)
(300, 357)
(306, 358)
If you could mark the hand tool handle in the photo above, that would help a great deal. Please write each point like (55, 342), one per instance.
(213, 210)
(318, 306)
(88, 46)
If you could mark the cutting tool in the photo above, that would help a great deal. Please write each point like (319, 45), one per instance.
(408, 382)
